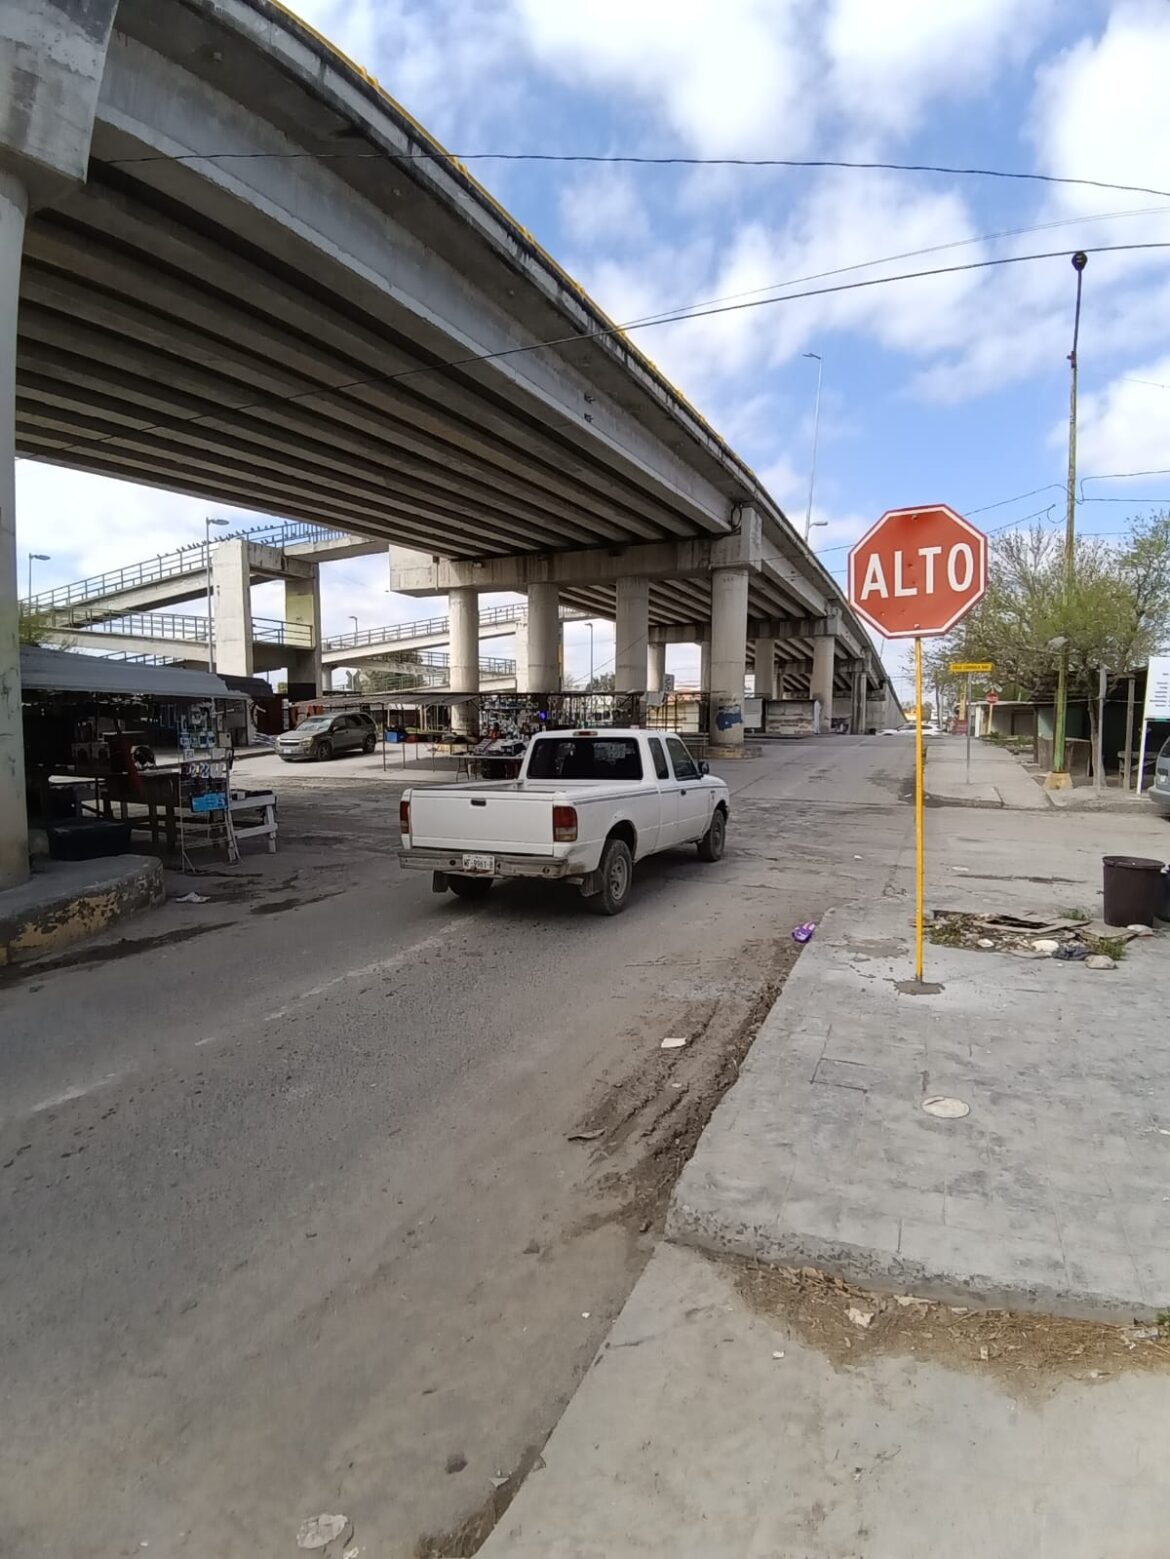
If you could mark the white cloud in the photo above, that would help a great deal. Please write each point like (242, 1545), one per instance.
(733, 80)
(1126, 427)
(889, 61)
(90, 524)
(603, 207)
(1100, 107)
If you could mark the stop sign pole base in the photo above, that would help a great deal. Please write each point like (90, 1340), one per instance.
(1058, 781)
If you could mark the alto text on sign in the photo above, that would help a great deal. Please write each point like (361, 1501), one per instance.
(917, 571)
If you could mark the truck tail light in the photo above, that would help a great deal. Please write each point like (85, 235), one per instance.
(565, 825)
(404, 818)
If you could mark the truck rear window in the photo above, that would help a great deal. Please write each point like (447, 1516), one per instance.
(585, 758)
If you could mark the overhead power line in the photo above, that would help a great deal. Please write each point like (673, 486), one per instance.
(372, 154)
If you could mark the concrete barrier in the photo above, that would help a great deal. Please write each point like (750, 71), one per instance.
(70, 900)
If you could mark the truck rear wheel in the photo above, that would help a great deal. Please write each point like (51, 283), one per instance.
(470, 887)
(617, 875)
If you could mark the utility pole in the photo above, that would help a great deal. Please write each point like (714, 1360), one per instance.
(1059, 777)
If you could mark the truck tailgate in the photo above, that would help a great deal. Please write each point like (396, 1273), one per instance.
(499, 818)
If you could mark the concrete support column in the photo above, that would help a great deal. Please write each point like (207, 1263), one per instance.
(302, 612)
(656, 668)
(704, 666)
(729, 609)
(13, 807)
(632, 635)
(857, 717)
(463, 611)
(821, 681)
(231, 613)
(766, 668)
(544, 639)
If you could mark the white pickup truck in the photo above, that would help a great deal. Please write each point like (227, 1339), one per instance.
(586, 806)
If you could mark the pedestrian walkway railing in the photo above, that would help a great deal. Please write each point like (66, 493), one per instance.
(191, 630)
(437, 660)
(429, 627)
(180, 564)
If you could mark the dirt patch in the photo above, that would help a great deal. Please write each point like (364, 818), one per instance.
(474, 1530)
(645, 1127)
(1028, 1355)
(1066, 939)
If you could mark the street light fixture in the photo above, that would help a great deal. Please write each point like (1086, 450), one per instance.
(39, 557)
(812, 475)
(1058, 777)
(353, 620)
(208, 521)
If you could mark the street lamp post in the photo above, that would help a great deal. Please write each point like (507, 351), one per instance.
(812, 474)
(590, 627)
(353, 620)
(208, 521)
(37, 557)
(1059, 778)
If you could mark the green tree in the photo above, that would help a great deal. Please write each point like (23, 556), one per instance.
(36, 628)
(1114, 617)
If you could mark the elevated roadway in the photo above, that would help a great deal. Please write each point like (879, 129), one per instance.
(246, 273)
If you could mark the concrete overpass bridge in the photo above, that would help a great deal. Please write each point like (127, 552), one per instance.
(245, 273)
(277, 551)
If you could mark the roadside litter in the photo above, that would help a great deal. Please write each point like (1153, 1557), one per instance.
(672, 1042)
(1068, 940)
(804, 932)
(320, 1531)
(193, 898)
(946, 1109)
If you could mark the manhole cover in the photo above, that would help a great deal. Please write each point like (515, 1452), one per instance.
(946, 1109)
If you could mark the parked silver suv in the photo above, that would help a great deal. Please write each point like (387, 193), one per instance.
(322, 736)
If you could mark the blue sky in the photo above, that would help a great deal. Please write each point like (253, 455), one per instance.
(952, 389)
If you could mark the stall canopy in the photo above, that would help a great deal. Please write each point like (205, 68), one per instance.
(59, 671)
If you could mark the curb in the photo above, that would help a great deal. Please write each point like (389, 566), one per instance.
(74, 900)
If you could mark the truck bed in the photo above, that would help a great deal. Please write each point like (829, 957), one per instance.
(502, 815)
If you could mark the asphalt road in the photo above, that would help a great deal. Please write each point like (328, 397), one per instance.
(289, 1217)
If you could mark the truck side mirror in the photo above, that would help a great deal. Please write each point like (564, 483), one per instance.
(704, 766)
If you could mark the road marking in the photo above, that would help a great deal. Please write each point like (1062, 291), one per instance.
(380, 966)
(67, 1095)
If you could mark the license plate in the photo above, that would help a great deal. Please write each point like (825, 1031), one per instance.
(479, 863)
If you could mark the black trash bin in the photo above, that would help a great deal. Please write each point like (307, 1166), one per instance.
(1133, 890)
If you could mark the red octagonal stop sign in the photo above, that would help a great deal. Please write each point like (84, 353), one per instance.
(917, 571)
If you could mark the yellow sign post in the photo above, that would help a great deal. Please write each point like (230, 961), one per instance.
(936, 562)
(919, 819)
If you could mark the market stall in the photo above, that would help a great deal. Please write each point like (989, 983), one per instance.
(118, 749)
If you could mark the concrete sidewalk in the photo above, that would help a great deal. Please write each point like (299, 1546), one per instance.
(997, 778)
(1048, 1195)
(712, 1425)
(717, 1420)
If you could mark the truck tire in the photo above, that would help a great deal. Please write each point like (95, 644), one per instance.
(617, 875)
(470, 887)
(712, 842)
(323, 752)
